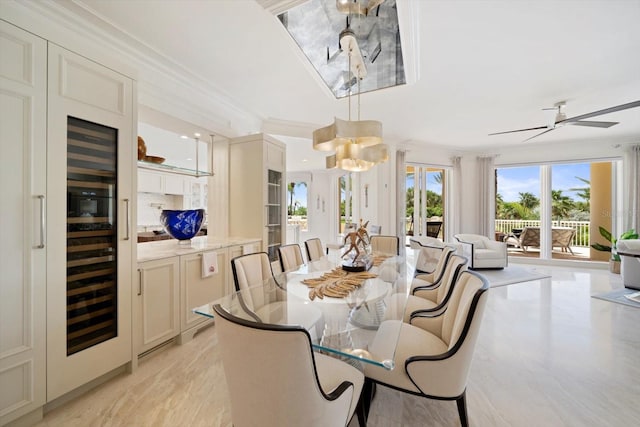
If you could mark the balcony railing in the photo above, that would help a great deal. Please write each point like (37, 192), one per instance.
(580, 238)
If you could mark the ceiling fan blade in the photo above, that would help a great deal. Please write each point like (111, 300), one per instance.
(519, 130)
(593, 124)
(537, 135)
(633, 104)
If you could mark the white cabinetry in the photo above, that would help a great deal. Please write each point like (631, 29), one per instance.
(197, 290)
(158, 307)
(257, 191)
(196, 196)
(162, 183)
(67, 256)
(23, 103)
(171, 285)
(91, 259)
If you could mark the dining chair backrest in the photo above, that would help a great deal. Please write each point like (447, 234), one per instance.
(438, 272)
(290, 257)
(389, 245)
(428, 252)
(314, 249)
(251, 270)
(470, 289)
(447, 283)
(275, 379)
(375, 229)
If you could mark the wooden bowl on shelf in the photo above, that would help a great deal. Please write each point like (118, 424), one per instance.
(154, 159)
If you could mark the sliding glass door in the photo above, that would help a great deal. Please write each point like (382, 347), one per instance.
(425, 201)
(555, 211)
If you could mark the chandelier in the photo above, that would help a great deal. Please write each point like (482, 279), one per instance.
(357, 144)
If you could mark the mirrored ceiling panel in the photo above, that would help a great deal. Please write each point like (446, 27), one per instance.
(316, 26)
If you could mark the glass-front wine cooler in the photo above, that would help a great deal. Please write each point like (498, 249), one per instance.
(91, 234)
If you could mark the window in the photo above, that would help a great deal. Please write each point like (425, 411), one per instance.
(297, 202)
(569, 201)
(345, 214)
(424, 197)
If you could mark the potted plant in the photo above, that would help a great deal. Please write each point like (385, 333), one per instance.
(614, 262)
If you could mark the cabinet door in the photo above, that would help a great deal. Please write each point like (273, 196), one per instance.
(149, 182)
(174, 184)
(90, 262)
(158, 302)
(275, 157)
(196, 290)
(23, 117)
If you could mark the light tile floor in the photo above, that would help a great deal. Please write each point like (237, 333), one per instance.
(548, 355)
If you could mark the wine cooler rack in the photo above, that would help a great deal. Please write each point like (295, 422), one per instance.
(91, 234)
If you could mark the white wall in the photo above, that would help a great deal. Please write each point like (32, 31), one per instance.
(150, 205)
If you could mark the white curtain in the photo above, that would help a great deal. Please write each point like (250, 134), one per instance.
(631, 219)
(401, 190)
(486, 196)
(456, 192)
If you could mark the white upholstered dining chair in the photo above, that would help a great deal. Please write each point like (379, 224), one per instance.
(422, 279)
(275, 379)
(314, 249)
(389, 245)
(433, 298)
(290, 257)
(434, 360)
(251, 270)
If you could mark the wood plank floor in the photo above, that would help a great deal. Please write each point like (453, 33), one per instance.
(548, 355)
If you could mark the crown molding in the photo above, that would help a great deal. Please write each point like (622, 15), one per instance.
(76, 27)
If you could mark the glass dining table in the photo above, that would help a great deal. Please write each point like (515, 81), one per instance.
(342, 321)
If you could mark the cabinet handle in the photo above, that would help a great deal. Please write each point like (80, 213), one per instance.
(126, 203)
(140, 281)
(42, 222)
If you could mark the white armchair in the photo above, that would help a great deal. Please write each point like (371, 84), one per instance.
(482, 251)
(629, 251)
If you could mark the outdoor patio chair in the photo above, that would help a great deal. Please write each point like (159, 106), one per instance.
(433, 228)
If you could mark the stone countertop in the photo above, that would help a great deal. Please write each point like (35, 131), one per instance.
(150, 251)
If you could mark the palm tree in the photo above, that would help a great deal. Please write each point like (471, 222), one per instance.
(529, 201)
(585, 194)
(290, 188)
(561, 205)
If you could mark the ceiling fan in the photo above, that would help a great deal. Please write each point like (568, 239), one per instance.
(558, 118)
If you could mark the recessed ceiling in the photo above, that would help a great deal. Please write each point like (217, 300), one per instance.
(316, 27)
(483, 66)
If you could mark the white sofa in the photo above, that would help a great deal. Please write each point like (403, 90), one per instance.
(629, 251)
(483, 252)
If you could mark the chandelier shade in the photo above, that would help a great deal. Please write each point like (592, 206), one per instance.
(357, 144)
(340, 132)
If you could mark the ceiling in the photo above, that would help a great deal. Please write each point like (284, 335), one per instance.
(474, 67)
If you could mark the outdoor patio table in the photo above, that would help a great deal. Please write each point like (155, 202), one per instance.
(343, 327)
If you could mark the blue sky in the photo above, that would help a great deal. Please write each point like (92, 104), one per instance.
(299, 195)
(432, 185)
(512, 181)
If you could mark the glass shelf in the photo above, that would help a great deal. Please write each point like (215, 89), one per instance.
(172, 169)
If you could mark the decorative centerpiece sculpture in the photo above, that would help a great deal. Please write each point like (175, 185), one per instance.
(358, 250)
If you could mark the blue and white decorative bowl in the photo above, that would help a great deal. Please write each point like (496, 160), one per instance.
(182, 224)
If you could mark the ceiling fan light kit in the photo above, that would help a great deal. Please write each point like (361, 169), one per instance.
(556, 117)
